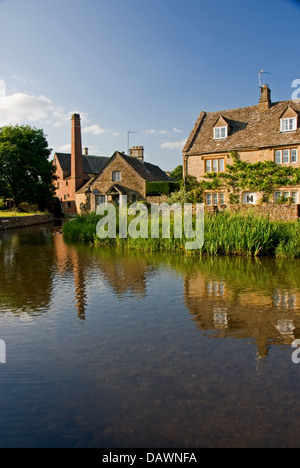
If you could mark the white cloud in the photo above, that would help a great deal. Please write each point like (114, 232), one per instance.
(176, 130)
(153, 132)
(173, 144)
(21, 108)
(95, 130)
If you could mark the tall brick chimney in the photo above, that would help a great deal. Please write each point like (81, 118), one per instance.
(265, 98)
(77, 172)
(137, 152)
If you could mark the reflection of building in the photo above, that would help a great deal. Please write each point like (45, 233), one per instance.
(230, 310)
(125, 273)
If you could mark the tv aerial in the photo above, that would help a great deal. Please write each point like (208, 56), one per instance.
(262, 72)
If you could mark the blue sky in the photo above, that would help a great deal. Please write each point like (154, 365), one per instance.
(146, 66)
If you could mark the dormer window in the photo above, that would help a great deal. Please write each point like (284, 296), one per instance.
(220, 133)
(221, 128)
(288, 125)
(289, 120)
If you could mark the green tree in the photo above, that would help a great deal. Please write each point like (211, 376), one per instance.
(177, 174)
(26, 174)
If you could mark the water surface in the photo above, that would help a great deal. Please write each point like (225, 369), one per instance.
(109, 349)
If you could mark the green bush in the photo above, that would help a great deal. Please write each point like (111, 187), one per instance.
(161, 188)
(2, 204)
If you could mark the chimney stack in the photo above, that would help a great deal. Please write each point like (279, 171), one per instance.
(77, 172)
(265, 97)
(85, 151)
(137, 152)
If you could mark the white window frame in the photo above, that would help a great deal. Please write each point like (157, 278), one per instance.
(288, 125)
(296, 153)
(116, 176)
(209, 199)
(215, 199)
(221, 198)
(277, 153)
(215, 165)
(209, 165)
(220, 133)
(286, 194)
(286, 156)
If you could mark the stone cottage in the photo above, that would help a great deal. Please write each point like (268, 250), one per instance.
(268, 131)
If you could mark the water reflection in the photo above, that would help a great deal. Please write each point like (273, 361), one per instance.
(241, 298)
(127, 349)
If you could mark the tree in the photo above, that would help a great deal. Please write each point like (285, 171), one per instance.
(177, 174)
(26, 174)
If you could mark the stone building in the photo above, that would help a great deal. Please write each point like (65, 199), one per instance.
(86, 181)
(122, 176)
(269, 131)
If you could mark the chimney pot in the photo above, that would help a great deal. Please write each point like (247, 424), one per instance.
(85, 151)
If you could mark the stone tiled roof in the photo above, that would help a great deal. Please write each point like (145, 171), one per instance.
(91, 164)
(249, 127)
(146, 170)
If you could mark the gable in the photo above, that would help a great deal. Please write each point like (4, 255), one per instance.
(289, 113)
(221, 122)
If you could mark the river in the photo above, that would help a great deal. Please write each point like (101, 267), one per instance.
(107, 349)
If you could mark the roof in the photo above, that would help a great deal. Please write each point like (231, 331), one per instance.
(250, 127)
(91, 164)
(146, 170)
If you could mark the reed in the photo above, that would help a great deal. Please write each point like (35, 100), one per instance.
(224, 234)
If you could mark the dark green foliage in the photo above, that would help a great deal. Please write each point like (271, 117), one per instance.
(26, 174)
(161, 188)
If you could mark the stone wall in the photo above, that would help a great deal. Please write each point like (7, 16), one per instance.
(24, 221)
(157, 199)
(276, 212)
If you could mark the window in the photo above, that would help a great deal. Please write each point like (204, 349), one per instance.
(286, 156)
(277, 196)
(58, 185)
(220, 132)
(222, 198)
(215, 199)
(65, 197)
(208, 165)
(69, 204)
(294, 155)
(116, 176)
(294, 197)
(208, 199)
(288, 125)
(278, 157)
(67, 183)
(100, 200)
(214, 165)
(221, 165)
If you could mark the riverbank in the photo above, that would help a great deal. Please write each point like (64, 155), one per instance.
(14, 222)
(224, 234)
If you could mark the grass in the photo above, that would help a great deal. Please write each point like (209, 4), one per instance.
(16, 214)
(224, 234)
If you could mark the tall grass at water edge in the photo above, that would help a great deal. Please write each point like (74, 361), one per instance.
(224, 234)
